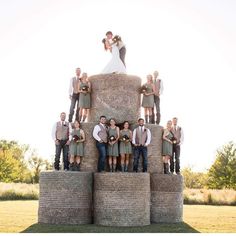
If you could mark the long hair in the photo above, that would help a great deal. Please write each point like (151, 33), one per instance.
(104, 42)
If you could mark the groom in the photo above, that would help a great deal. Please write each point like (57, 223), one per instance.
(121, 46)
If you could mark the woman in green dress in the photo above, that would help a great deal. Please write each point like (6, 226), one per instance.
(77, 138)
(84, 97)
(113, 151)
(148, 98)
(125, 146)
(167, 146)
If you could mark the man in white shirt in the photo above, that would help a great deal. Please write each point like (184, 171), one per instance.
(158, 84)
(179, 136)
(141, 139)
(74, 95)
(101, 136)
(60, 134)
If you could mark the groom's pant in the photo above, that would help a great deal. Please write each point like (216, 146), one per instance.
(122, 54)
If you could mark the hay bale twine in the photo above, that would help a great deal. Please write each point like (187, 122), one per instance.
(166, 198)
(115, 96)
(65, 197)
(122, 199)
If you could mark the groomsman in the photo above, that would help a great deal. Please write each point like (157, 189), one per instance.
(100, 135)
(60, 135)
(74, 95)
(141, 139)
(179, 135)
(158, 84)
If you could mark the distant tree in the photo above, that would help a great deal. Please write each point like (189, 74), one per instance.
(37, 164)
(13, 167)
(194, 179)
(222, 173)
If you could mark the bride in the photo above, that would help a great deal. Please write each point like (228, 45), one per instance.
(115, 65)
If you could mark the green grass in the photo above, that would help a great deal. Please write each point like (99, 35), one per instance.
(19, 191)
(21, 216)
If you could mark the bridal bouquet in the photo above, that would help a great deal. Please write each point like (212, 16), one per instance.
(116, 39)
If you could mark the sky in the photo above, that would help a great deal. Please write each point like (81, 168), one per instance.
(190, 42)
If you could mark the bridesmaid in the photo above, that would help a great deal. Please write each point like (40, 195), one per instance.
(167, 146)
(148, 99)
(84, 97)
(77, 138)
(125, 146)
(113, 152)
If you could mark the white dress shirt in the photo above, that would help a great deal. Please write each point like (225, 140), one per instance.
(96, 130)
(148, 135)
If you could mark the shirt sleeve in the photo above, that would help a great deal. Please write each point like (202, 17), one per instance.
(54, 131)
(161, 87)
(133, 137)
(95, 133)
(70, 132)
(181, 136)
(148, 137)
(71, 87)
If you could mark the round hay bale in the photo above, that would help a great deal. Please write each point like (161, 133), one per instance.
(122, 199)
(166, 198)
(65, 197)
(115, 96)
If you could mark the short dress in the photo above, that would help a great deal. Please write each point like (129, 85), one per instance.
(76, 149)
(84, 98)
(125, 147)
(148, 101)
(113, 149)
(167, 148)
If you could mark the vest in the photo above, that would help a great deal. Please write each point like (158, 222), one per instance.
(75, 85)
(102, 133)
(157, 86)
(141, 138)
(177, 133)
(62, 132)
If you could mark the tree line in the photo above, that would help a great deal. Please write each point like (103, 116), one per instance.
(15, 167)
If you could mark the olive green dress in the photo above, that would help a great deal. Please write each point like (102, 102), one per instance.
(125, 147)
(113, 149)
(167, 148)
(84, 98)
(148, 101)
(76, 149)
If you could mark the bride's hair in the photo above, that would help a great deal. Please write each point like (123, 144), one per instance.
(104, 42)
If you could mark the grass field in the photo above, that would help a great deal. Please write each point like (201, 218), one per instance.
(21, 191)
(21, 216)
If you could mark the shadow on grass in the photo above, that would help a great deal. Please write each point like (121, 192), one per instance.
(91, 228)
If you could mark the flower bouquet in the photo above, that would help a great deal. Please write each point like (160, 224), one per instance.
(112, 138)
(143, 89)
(76, 138)
(124, 138)
(85, 88)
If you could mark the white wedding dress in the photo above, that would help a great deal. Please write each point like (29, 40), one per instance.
(115, 65)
